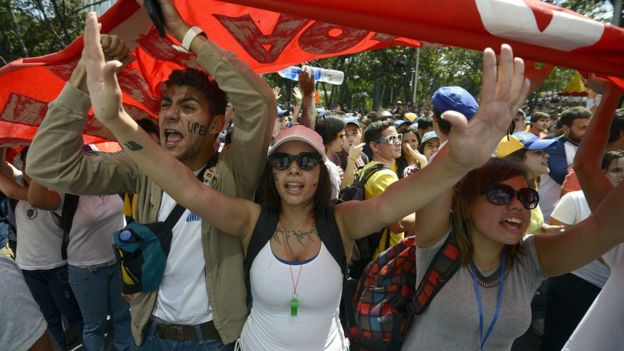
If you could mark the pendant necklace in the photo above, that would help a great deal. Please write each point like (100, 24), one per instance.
(294, 302)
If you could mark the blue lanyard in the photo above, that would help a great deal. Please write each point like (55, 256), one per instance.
(499, 300)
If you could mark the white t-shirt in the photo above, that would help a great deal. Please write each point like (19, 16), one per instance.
(334, 178)
(451, 322)
(572, 209)
(601, 328)
(39, 237)
(21, 321)
(182, 295)
(91, 237)
(270, 326)
(550, 190)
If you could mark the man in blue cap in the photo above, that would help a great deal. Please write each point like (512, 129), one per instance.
(451, 98)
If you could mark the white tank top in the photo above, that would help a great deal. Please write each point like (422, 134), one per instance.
(316, 326)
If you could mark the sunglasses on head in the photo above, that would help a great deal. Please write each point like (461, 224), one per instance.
(390, 139)
(503, 194)
(305, 160)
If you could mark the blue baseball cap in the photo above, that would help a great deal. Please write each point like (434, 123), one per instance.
(400, 122)
(454, 98)
(352, 120)
(281, 112)
(532, 142)
(428, 136)
(521, 140)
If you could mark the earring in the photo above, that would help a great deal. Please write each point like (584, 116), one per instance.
(315, 182)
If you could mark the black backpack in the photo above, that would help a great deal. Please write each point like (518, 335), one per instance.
(66, 219)
(355, 191)
(364, 249)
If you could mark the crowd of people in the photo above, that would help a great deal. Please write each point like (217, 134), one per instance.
(258, 257)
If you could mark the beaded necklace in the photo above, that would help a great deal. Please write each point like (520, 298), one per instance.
(493, 280)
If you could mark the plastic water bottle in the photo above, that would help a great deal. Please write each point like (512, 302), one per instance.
(330, 76)
(126, 236)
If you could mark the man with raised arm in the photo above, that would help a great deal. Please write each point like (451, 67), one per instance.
(202, 296)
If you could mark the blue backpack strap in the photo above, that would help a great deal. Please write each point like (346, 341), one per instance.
(263, 231)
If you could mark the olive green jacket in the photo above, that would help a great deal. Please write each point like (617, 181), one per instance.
(56, 160)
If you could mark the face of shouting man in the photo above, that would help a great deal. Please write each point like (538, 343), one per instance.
(187, 129)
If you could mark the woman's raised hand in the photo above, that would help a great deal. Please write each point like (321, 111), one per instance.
(503, 91)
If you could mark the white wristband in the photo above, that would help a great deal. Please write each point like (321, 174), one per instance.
(191, 33)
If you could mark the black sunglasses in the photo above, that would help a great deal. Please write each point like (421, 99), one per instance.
(503, 194)
(305, 160)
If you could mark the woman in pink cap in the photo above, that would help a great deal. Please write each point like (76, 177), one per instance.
(295, 282)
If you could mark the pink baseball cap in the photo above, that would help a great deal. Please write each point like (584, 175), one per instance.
(299, 133)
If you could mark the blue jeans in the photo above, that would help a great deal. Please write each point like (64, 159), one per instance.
(50, 288)
(154, 343)
(98, 292)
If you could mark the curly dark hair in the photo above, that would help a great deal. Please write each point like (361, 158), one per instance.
(217, 99)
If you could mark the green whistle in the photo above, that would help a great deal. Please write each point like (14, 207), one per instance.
(294, 307)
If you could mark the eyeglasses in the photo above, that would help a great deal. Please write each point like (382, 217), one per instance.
(503, 194)
(305, 160)
(390, 139)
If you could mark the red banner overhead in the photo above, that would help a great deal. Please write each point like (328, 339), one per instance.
(272, 34)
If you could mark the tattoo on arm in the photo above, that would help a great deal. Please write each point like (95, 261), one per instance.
(133, 146)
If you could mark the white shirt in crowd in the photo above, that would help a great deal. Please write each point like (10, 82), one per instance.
(182, 295)
(550, 190)
(40, 237)
(572, 209)
(91, 237)
(601, 328)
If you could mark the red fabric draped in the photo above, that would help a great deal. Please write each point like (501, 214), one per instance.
(272, 34)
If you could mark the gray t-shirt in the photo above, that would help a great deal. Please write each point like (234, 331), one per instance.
(21, 321)
(451, 322)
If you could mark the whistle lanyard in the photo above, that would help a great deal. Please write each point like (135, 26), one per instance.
(499, 300)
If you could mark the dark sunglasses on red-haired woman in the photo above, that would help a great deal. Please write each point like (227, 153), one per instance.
(503, 194)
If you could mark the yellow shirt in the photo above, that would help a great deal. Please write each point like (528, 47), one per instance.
(376, 185)
(537, 220)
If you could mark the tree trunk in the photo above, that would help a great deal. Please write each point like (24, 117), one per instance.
(17, 30)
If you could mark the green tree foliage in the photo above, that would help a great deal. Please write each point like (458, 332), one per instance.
(379, 78)
(37, 27)
(373, 79)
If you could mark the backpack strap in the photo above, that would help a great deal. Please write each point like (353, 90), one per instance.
(264, 229)
(328, 231)
(365, 175)
(178, 210)
(443, 266)
(66, 219)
